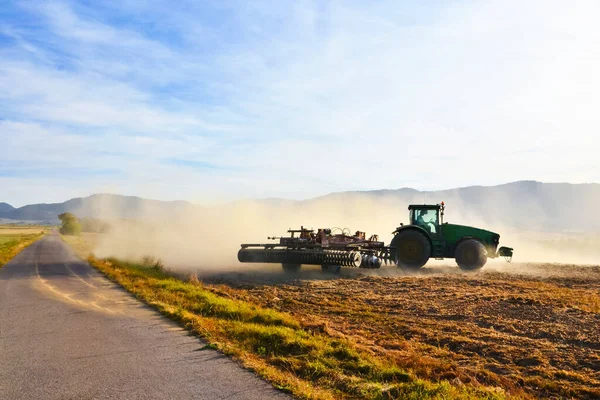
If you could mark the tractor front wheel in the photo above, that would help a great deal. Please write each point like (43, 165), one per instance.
(413, 249)
(470, 255)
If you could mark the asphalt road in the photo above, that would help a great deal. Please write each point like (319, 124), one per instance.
(66, 332)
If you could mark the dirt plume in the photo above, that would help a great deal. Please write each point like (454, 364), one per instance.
(208, 238)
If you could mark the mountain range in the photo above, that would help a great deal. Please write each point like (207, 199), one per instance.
(97, 205)
(524, 205)
(5, 208)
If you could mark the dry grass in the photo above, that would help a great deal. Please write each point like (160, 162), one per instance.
(12, 230)
(14, 239)
(295, 355)
(82, 244)
(533, 332)
(538, 333)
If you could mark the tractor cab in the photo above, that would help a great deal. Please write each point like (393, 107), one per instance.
(427, 216)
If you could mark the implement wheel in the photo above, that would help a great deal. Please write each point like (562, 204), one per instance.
(413, 249)
(291, 268)
(331, 269)
(470, 255)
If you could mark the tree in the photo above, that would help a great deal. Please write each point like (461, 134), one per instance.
(70, 224)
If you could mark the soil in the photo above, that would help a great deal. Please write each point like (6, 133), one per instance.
(531, 329)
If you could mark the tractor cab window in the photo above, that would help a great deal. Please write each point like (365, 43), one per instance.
(427, 219)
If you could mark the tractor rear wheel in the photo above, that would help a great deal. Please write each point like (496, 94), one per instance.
(291, 268)
(470, 255)
(413, 249)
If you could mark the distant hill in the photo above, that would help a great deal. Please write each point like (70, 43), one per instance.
(524, 205)
(99, 206)
(5, 207)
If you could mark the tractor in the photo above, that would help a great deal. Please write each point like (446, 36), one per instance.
(428, 236)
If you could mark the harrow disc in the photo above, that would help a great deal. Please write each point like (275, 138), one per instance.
(286, 256)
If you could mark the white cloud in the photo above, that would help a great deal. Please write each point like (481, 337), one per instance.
(298, 101)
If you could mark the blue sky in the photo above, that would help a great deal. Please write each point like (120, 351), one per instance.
(218, 100)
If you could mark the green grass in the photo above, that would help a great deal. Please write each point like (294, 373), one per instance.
(295, 358)
(11, 243)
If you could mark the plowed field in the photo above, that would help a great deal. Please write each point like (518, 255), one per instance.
(532, 329)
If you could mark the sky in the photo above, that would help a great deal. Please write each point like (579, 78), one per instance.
(215, 101)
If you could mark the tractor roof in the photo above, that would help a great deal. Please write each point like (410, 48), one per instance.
(424, 206)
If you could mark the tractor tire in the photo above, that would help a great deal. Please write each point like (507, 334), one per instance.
(470, 255)
(413, 249)
(291, 268)
(331, 269)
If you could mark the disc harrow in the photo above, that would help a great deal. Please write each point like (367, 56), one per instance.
(307, 256)
(320, 248)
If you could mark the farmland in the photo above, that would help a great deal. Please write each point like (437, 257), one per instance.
(517, 330)
(533, 328)
(15, 238)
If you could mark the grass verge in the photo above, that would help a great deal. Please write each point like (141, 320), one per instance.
(13, 244)
(296, 358)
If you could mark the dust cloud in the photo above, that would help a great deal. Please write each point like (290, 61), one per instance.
(208, 238)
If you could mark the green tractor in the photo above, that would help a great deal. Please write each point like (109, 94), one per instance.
(428, 236)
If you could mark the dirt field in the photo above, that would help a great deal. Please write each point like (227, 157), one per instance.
(532, 329)
(14, 238)
(12, 230)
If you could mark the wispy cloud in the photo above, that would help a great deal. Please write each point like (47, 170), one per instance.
(259, 99)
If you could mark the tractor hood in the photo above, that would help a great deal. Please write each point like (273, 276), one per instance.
(454, 232)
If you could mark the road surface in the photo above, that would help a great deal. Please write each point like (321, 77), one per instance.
(66, 332)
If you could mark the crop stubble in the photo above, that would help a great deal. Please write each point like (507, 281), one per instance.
(534, 328)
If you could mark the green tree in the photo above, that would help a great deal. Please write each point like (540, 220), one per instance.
(70, 224)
